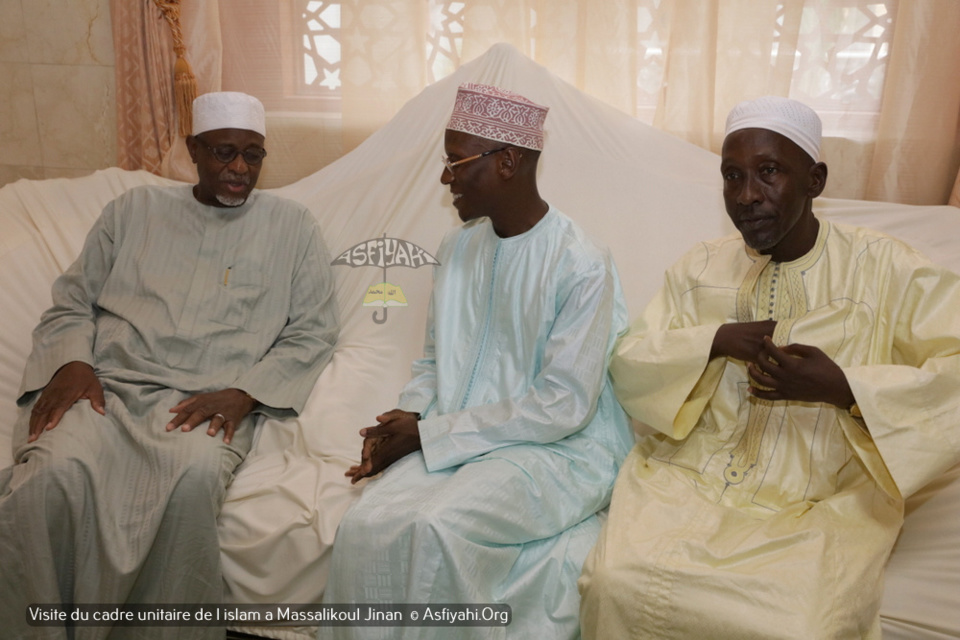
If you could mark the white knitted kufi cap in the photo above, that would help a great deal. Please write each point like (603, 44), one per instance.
(789, 118)
(497, 114)
(228, 110)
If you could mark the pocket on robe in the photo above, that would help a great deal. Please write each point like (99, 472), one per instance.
(243, 287)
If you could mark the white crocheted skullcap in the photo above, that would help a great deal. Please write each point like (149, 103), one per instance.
(789, 118)
(497, 114)
(228, 110)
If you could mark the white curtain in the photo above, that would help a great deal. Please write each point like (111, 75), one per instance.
(678, 64)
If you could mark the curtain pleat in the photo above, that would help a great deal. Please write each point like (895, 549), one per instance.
(144, 59)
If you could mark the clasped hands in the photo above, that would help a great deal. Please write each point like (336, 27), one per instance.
(396, 435)
(797, 372)
(77, 380)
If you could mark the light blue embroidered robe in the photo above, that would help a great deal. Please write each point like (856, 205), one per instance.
(522, 438)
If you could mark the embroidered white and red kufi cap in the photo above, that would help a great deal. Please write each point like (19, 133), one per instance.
(228, 110)
(790, 118)
(497, 114)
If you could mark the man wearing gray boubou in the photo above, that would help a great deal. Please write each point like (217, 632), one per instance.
(189, 306)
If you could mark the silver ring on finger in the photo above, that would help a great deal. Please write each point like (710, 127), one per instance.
(221, 416)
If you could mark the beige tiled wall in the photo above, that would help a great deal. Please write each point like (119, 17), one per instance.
(57, 113)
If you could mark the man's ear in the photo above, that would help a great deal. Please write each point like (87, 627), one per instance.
(509, 162)
(192, 148)
(818, 179)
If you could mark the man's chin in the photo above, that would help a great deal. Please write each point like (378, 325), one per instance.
(231, 201)
(761, 245)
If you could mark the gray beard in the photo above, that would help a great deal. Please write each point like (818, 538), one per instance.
(230, 201)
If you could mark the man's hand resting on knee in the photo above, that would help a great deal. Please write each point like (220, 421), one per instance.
(72, 382)
(224, 409)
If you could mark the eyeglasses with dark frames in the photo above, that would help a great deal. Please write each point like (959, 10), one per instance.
(453, 165)
(227, 152)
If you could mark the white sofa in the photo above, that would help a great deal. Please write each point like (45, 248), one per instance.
(645, 194)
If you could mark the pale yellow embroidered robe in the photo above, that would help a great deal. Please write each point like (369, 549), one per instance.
(752, 519)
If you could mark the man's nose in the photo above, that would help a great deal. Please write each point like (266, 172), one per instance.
(750, 191)
(446, 176)
(238, 164)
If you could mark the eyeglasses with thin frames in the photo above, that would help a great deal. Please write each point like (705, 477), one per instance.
(453, 165)
(226, 153)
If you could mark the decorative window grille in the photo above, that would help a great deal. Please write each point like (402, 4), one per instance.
(445, 38)
(651, 33)
(318, 23)
(839, 65)
(841, 62)
(842, 52)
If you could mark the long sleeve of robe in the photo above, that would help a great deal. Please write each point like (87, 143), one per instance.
(733, 520)
(521, 435)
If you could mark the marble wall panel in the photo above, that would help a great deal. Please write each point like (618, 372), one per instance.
(13, 36)
(57, 172)
(12, 173)
(57, 111)
(74, 32)
(19, 133)
(77, 115)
